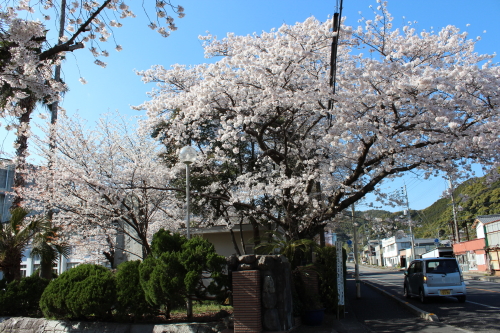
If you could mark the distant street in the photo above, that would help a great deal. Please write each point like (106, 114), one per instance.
(480, 313)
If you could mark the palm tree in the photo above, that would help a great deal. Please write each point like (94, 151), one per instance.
(15, 236)
(295, 250)
(45, 245)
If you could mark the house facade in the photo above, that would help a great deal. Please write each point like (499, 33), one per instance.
(397, 251)
(220, 236)
(492, 244)
(481, 254)
(370, 254)
(6, 182)
(391, 247)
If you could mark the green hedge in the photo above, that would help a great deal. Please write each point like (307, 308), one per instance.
(326, 266)
(81, 292)
(21, 298)
(131, 300)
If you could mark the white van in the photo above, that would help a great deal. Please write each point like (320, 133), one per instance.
(434, 277)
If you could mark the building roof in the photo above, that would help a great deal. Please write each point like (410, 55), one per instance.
(219, 229)
(485, 219)
(488, 218)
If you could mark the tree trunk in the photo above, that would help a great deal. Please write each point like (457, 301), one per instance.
(256, 231)
(11, 268)
(242, 238)
(28, 105)
(46, 270)
(235, 245)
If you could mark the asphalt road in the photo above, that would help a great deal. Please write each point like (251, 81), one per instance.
(480, 313)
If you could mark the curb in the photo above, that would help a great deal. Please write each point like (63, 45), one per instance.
(412, 308)
(482, 278)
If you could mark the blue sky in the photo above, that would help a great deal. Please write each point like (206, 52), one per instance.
(117, 86)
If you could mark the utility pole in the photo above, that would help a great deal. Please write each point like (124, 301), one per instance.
(356, 263)
(455, 222)
(411, 229)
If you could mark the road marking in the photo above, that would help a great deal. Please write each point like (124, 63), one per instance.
(394, 284)
(488, 306)
(459, 329)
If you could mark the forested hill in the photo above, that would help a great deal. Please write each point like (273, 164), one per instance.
(476, 196)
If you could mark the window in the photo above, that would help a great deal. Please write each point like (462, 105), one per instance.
(2, 208)
(441, 266)
(3, 178)
(23, 270)
(70, 265)
(418, 267)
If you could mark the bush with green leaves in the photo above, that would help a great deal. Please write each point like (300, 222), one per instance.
(86, 291)
(179, 268)
(326, 266)
(22, 298)
(130, 298)
(297, 251)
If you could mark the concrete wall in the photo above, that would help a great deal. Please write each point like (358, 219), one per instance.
(223, 243)
(471, 254)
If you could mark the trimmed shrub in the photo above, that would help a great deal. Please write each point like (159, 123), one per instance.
(22, 298)
(326, 265)
(131, 301)
(162, 280)
(179, 267)
(81, 292)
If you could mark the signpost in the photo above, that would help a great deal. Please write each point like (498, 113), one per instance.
(340, 277)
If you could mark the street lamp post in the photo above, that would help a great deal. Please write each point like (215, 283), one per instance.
(187, 155)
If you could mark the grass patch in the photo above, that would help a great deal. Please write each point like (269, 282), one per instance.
(204, 307)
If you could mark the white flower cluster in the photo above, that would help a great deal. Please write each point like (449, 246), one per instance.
(25, 71)
(100, 183)
(261, 114)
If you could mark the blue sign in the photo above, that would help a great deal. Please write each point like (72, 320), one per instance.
(349, 242)
(436, 240)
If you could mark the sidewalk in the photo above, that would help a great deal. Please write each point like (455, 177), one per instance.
(349, 324)
(482, 276)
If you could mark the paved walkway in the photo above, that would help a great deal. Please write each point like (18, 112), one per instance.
(350, 323)
(471, 275)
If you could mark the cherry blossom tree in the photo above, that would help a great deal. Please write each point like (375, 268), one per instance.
(273, 148)
(27, 58)
(99, 181)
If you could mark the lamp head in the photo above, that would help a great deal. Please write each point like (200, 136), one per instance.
(188, 155)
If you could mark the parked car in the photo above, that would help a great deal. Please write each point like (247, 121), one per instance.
(434, 277)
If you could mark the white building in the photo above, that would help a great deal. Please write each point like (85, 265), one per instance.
(391, 247)
(6, 182)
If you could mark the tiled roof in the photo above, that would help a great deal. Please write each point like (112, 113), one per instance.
(485, 219)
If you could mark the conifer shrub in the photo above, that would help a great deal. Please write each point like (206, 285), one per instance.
(179, 268)
(22, 298)
(86, 291)
(130, 298)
